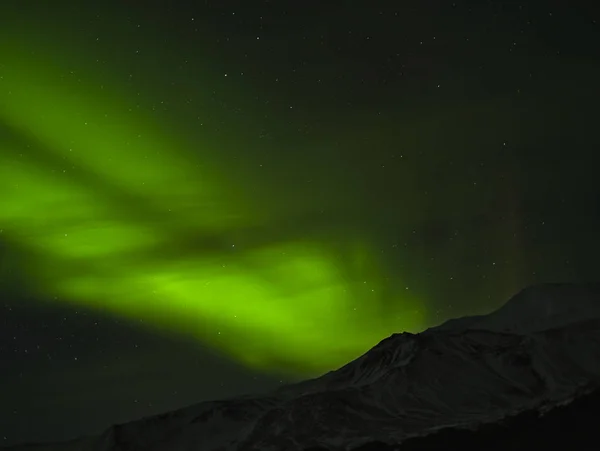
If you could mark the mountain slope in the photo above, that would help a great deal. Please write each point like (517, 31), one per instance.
(541, 349)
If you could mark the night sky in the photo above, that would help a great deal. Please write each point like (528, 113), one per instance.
(210, 198)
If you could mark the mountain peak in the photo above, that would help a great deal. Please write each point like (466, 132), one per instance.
(537, 308)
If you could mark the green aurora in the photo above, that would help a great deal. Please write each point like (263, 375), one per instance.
(115, 213)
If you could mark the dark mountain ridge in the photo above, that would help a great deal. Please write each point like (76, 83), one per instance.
(487, 382)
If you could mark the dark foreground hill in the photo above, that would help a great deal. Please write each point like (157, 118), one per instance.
(573, 426)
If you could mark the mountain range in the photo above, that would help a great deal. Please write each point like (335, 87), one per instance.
(525, 376)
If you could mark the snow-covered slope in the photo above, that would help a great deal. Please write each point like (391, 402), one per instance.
(540, 349)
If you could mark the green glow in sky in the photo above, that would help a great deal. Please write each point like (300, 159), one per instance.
(118, 213)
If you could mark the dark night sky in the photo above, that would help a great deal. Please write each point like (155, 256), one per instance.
(442, 149)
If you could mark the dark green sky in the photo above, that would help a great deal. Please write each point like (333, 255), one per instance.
(208, 200)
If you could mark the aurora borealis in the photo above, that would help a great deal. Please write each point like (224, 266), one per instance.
(284, 187)
(115, 212)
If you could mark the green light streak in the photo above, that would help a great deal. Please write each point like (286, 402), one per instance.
(118, 216)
